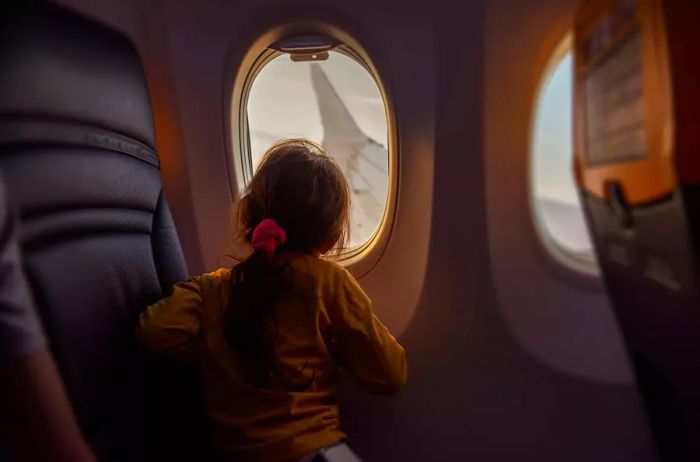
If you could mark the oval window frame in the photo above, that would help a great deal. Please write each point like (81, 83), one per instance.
(363, 258)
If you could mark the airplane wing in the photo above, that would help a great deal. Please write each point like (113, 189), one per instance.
(363, 160)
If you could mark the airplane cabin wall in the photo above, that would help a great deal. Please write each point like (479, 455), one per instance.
(478, 388)
(561, 316)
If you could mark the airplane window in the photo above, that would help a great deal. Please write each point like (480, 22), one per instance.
(555, 199)
(337, 103)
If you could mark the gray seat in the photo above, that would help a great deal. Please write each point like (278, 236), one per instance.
(77, 150)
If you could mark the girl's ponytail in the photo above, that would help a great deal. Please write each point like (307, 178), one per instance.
(257, 284)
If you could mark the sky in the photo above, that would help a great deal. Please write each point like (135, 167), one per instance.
(553, 184)
(552, 142)
(282, 102)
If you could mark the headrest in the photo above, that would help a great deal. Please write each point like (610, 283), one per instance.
(59, 68)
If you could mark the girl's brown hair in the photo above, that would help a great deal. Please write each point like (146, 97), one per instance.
(298, 185)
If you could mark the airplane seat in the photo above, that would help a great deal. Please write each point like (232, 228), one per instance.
(637, 144)
(78, 152)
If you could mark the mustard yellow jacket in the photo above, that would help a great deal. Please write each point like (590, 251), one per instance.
(323, 323)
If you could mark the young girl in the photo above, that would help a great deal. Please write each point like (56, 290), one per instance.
(270, 334)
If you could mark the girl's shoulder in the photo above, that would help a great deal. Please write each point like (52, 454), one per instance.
(316, 266)
(221, 275)
(300, 264)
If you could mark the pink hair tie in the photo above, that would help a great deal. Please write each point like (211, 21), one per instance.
(267, 236)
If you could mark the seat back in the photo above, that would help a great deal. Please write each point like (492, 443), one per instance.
(78, 152)
(637, 144)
